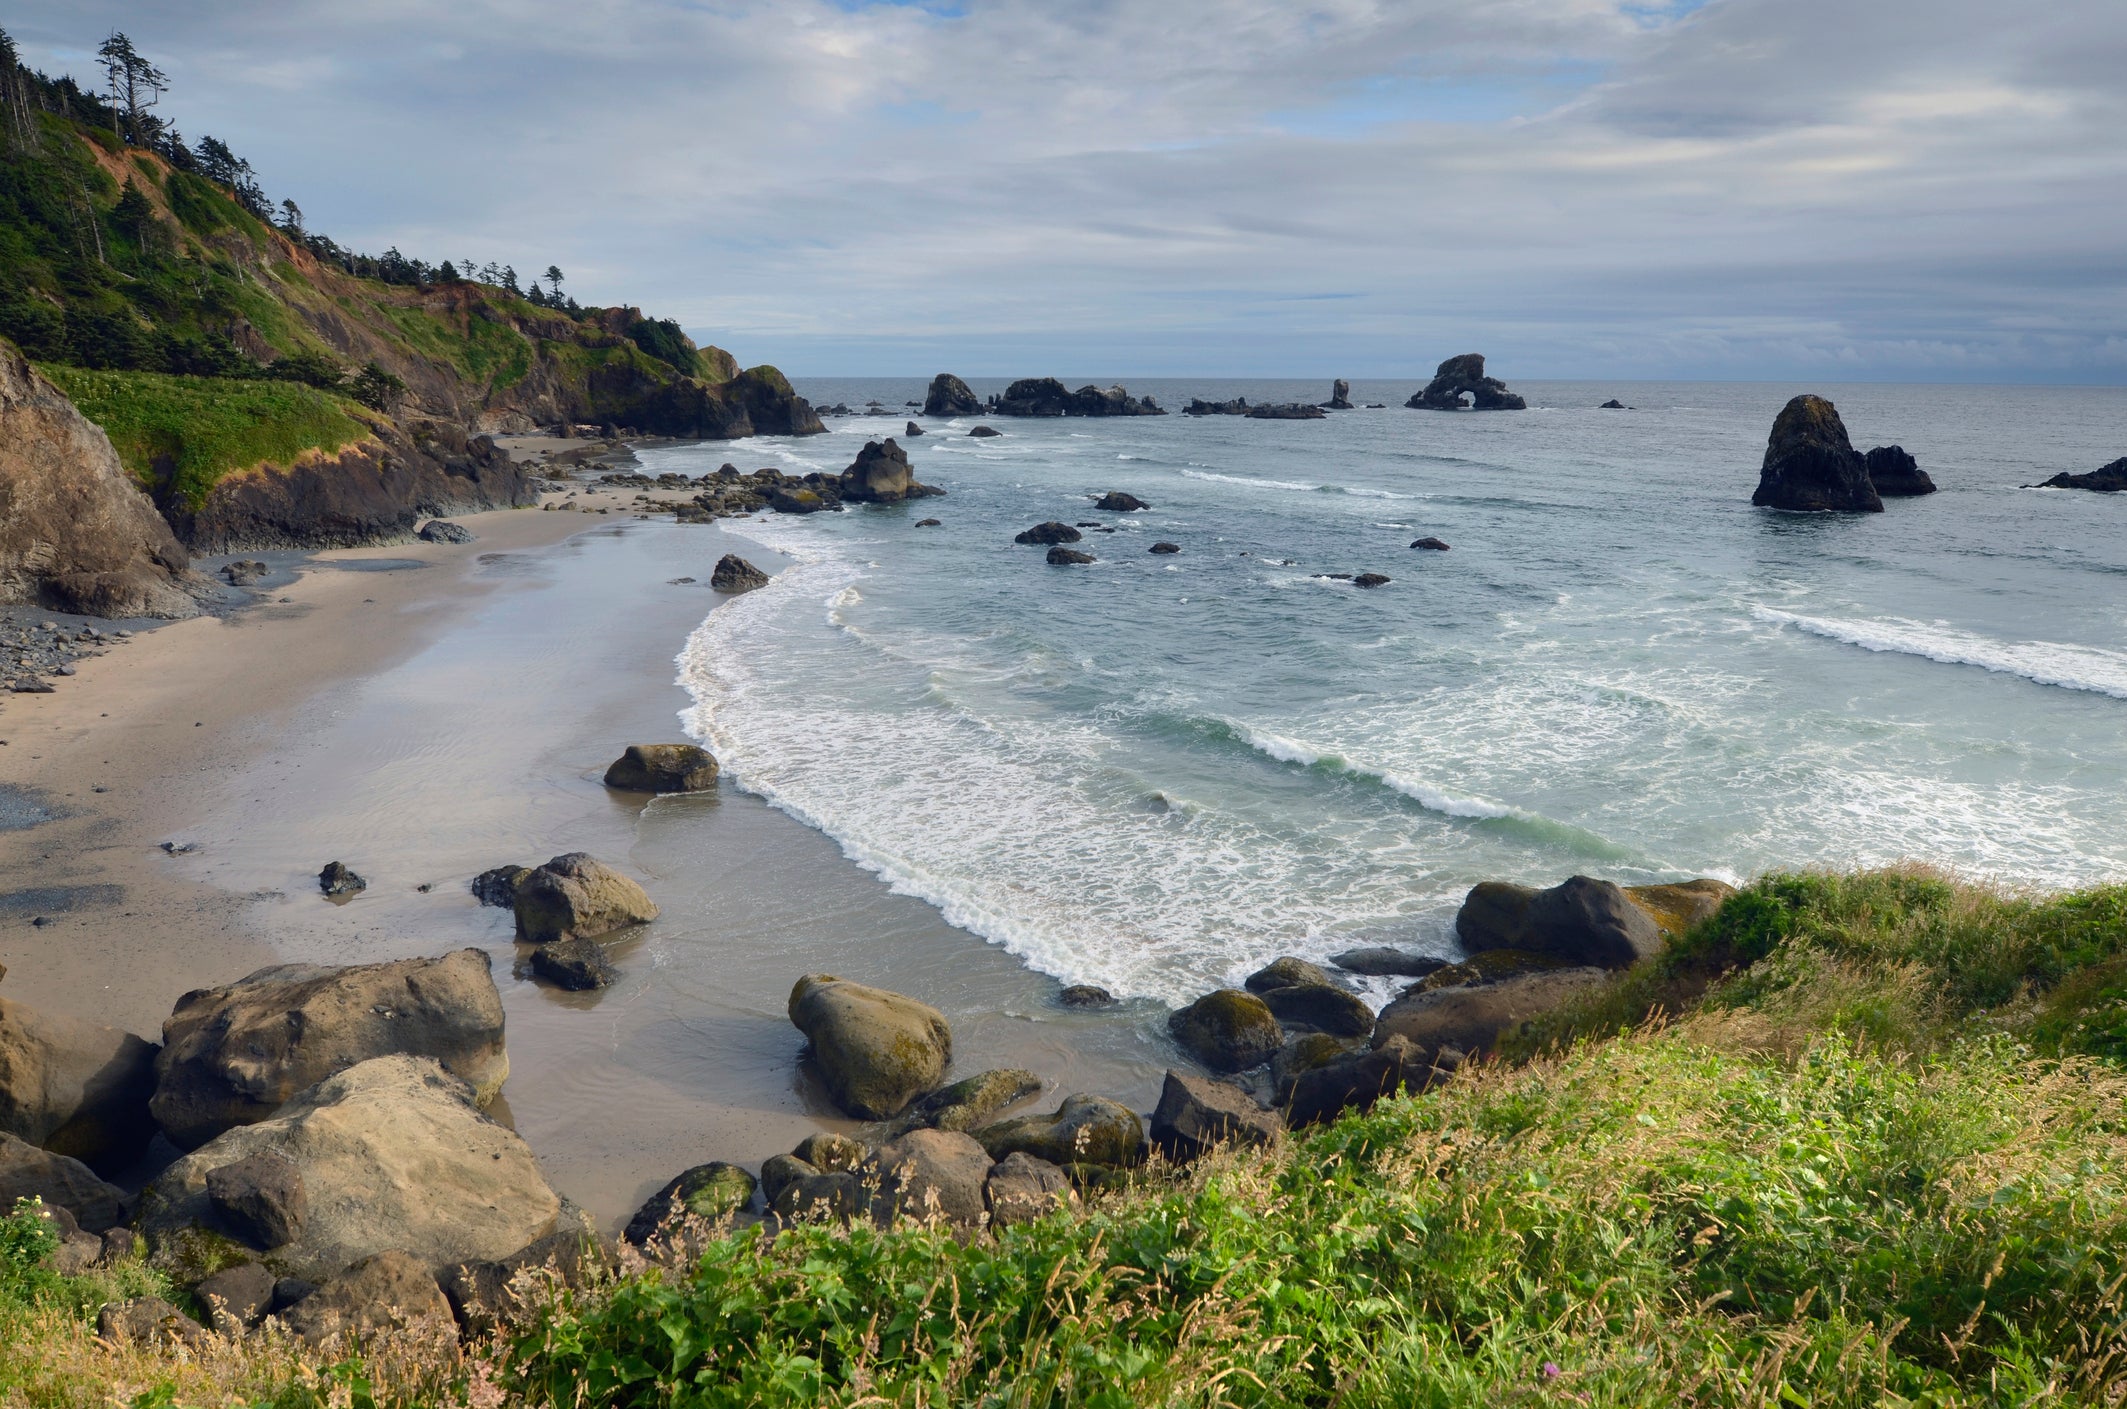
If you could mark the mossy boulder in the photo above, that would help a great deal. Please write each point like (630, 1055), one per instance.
(1228, 1030)
(877, 1051)
(1581, 920)
(1084, 1130)
(1471, 1018)
(1487, 966)
(1675, 908)
(707, 1192)
(969, 1103)
(1287, 972)
(577, 895)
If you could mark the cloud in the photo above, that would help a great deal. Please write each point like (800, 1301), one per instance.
(1580, 187)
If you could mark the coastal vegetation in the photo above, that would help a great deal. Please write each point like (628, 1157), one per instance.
(1854, 1139)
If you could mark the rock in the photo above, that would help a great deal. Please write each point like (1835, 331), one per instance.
(1579, 921)
(1085, 995)
(1287, 972)
(31, 686)
(881, 475)
(912, 429)
(236, 1054)
(444, 531)
(664, 768)
(797, 501)
(1050, 532)
(74, 1088)
(1465, 376)
(260, 1199)
(1340, 396)
(336, 880)
(1354, 1081)
(1677, 907)
(1084, 1130)
(1433, 543)
(1896, 474)
(829, 1153)
(245, 573)
(949, 396)
(498, 887)
(929, 1175)
(1199, 407)
(395, 1156)
(238, 1297)
(709, 1192)
(483, 1295)
(1166, 548)
(76, 1255)
(386, 1294)
(1196, 1116)
(1487, 966)
(1613, 405)
(780, 1172)
(1309, 1051)
(1065, 557)
(926, 523)
(577, 895)
(2109, 479)
(985, 432)
(78, 533)
(1323, 1007)
(576, 964)
(1380, 960)
(1227, 1031)
(1023, 1189)
(821, 1197)
(877, 1051)
(1046, 396)
(1810, 464)
(1291, 411)
(148, 1321)
(1473, 1018)
(963, 1106)
(1370, 579)
(120, 1245)
(733, 574)
(27, 1172)
(1118, 502)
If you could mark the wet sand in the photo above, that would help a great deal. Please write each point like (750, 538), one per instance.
(425, 712)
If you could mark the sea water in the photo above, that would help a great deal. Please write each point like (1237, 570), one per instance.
(1155, 772)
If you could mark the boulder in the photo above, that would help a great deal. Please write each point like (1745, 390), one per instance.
(1434, 544)
(1309, 1051)
(1465, 376)
(148, 1321)
(1085, 995)
(27, 1172)
(1227, 1031)
(1895, 474)
(912, 429)
(74, 1088)
(498, 885)
(236, 1054)
(816, 1196)
(1050, 532)
(1354, 1081)
(1810, 465)
(2108, 479)
(733, 575)
(382, 1296)
(261, 1198)
(664, 768)
(1196, 1116)
(576, 964)
(1488, 966)
(881, 475)
(1023, 1189)
(1380, 960)
(1061, 556)
(1286, 972)
(949, 396)
(963, 1106)
(1371, 579)
(1046, 396)
(1340, 396)
(927, 523)
(929, 1175)
(337, 881)
(1578, 921)
(1321, 1006)
(575, 894)
(483, 1295)
(1613, 405)
(877, 1051)
(780, 1172)
(237, 1298)
(709, 1192)
(1199, 407)
(785, 500)
(1472, 1018)
(1118, 502)
(1289, 411)
(1164, 548)
(444, 531)
(394, 1155)
(1084, 1130)
(1676, 907)
(828, 1152)
(985, 432)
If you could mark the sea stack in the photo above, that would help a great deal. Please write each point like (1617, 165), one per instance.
(1340, 396)
(1465, 376)
(949, 396)
(1896, 474)
(1810, 465)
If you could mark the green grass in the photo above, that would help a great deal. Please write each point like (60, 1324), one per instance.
(180, 435)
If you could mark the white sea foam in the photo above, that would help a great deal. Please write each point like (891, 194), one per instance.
(2044, 662)
(1250, 482)
(1439, 800)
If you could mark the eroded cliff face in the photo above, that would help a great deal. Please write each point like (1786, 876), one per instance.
(76, 533)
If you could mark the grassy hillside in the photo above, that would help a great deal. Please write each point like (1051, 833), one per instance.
(1884, 1162)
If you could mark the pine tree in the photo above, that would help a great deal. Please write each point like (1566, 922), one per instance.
(136, 86)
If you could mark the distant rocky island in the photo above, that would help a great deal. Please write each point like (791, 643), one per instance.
(1811, 466)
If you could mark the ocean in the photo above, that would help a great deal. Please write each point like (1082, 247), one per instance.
(1154, 773)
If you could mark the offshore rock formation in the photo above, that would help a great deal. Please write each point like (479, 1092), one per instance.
(949, 396)
(881, 475)
(1465, 376)
(1199, 407)
(2110, 479)
(76, 533)
(1046, 396)
(1810, 465)
(1896, 474)
(1340, 396)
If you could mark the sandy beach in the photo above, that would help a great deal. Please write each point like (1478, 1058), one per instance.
(423, 712)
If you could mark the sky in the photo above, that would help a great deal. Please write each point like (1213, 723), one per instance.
(1911, 190)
